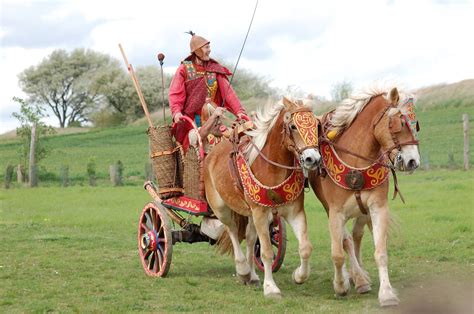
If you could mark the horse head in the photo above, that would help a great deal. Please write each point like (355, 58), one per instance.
(300, 133)
(397, 131)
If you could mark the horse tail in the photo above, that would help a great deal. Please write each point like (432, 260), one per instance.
(393, 224)
(224, 243)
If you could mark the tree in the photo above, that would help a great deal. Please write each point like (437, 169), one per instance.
(69, 83)
(341, 90)
(28, 115)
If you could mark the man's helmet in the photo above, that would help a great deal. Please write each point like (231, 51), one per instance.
(196, 41)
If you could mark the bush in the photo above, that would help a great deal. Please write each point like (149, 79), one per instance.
(107, 118)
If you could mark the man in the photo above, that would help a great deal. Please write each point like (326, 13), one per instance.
(198, 82)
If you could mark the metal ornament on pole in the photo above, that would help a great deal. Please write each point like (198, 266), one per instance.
(161, 57)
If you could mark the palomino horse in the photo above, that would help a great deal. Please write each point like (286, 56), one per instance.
(267, 179)
(371, 133)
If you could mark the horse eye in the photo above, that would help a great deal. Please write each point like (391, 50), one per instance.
(293, 127)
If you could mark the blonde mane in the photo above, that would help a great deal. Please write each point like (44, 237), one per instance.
(264, 120)
(345, 113)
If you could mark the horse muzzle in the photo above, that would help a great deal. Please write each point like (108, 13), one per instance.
(310, 159)
(406, 164)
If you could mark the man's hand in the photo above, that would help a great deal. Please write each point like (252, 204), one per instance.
(218, 112)
(242, 116)
(177, 117)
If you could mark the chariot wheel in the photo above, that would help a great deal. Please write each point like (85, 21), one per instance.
(278, 239)
(154, 240)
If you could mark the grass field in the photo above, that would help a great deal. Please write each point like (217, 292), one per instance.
(74, 250)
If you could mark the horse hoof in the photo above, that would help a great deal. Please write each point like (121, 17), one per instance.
(341, 294)
(244, 278)
(254, 282)
(273, 295)
(363, 289)
(300, 280)
(393, 301)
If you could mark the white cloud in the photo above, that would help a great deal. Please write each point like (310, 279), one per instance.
(308, 44)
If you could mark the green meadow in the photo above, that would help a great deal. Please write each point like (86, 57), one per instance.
(75, 250)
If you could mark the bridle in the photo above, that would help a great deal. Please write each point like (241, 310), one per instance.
(393, 129)
(306, 124)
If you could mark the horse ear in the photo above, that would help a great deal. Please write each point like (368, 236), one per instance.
(394, 96)
(288, 103)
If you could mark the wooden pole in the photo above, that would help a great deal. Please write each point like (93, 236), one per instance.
(465, 118)
(137, 86)
(32, 166)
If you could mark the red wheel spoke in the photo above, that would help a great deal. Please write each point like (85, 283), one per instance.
(148, 221)
(154, 216)
(160, 256)
(150, 261)
(143, 226)
(156, 265)
(158, 233)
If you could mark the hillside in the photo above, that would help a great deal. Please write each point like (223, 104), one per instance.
(440, 111)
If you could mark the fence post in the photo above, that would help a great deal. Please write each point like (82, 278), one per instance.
(465, 118)
(33, 179)
(426, 161)
(20, 174)
(113, 174)
(148, 171)
(64, 176)
(8, 176)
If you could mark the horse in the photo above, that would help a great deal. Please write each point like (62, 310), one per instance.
(247, 183)
(360, 141)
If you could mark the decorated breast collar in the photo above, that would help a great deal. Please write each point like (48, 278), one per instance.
(274, 196)
(351, 178)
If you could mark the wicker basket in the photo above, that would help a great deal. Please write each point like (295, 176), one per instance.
(193, 177)
(167, 162)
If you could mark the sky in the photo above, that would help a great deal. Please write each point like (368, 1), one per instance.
(308, 45)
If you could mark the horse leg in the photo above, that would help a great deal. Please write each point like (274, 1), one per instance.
(358, 233)
(251, 237)
(380, 221)
(261, 221)
(241, 266)
(299, 225)
(341, 278)
(358, 275)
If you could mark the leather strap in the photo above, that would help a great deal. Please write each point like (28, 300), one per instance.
(359, 202)
(396, 189)
(234, 172)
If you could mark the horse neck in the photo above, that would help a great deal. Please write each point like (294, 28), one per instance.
(359, 137)
(277, 152)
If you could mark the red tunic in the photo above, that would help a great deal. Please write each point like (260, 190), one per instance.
(187, 95)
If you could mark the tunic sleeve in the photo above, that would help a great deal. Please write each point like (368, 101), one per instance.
(177, 91)
(232, 102)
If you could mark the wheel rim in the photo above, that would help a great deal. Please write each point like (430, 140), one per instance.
(154, 241)
(278, 240)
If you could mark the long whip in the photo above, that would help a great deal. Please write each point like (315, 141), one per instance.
(240, 54)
